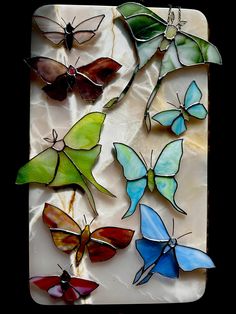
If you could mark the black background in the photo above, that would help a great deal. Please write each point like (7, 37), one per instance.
(15, 148)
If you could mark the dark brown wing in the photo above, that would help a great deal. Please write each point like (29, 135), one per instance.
(48, 69)
(101, 70)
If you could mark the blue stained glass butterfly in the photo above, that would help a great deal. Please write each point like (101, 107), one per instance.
(161, 176)
(175, 118)
(161, 252)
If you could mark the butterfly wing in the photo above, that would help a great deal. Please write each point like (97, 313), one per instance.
(173, 118)
(197, 111)
(85, 30)
(179, 125)
(193, 95)
(152, 226)
(167, 265)
(45, 282)
(194, 50)
(147, 29)
(92, 77)
(167, 117)
(40, 169)
(58, 89)
(85, 134)
(48, 69)
(192, 102)
(135, 173)
(105, 242)
(190, 258)
(83, 286)
(188, 50)
(165, 169)
(84, 161)
(64, 230)
(50, 29)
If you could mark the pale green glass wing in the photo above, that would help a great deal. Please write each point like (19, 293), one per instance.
(168, 162)
(84, 161)
(167, 187)
(131, 8)
(209, 52)
(147, 49)
(133, 166)
(170, 61)
(188, 50)
(85, 134)
(40, 169)
(68, 174)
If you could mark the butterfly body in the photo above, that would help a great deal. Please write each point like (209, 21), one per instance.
(191, 107)
(161, 252)
(65, 287)
(161, 176)
(101, 244)
(68, 35)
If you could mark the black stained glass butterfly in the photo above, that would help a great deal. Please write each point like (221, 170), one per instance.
(68, 35)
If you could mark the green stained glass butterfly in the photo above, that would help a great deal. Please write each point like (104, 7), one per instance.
(69, 160)
(161, 176)
(176, 49)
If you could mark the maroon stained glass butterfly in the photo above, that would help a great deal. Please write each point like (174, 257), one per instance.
(65, 286)
(88, 80)
(68, 35)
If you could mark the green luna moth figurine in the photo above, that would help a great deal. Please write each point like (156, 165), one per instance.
(176, 49)
(69, 160)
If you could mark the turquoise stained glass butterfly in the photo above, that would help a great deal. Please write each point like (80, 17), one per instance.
(161, 176)
(175, 118)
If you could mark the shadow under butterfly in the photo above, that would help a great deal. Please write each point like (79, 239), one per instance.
(65, 287)
(87, 80)
(101, 244)
(68, 34)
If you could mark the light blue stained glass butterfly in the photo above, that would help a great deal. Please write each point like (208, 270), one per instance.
(162, 175)
(175, 118)
(161, 252)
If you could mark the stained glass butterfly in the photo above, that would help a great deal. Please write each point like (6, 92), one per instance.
(161, 176)
(58, 34)
(175, 118)
(65, 287)
(175, 48)
(161, 253)
(69, 160)
(88, 80)
(101, 244)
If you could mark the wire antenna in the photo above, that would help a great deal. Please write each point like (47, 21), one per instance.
(183, 235)
(63, 20)
(73, 21)
(173, 227)
(143, 160)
